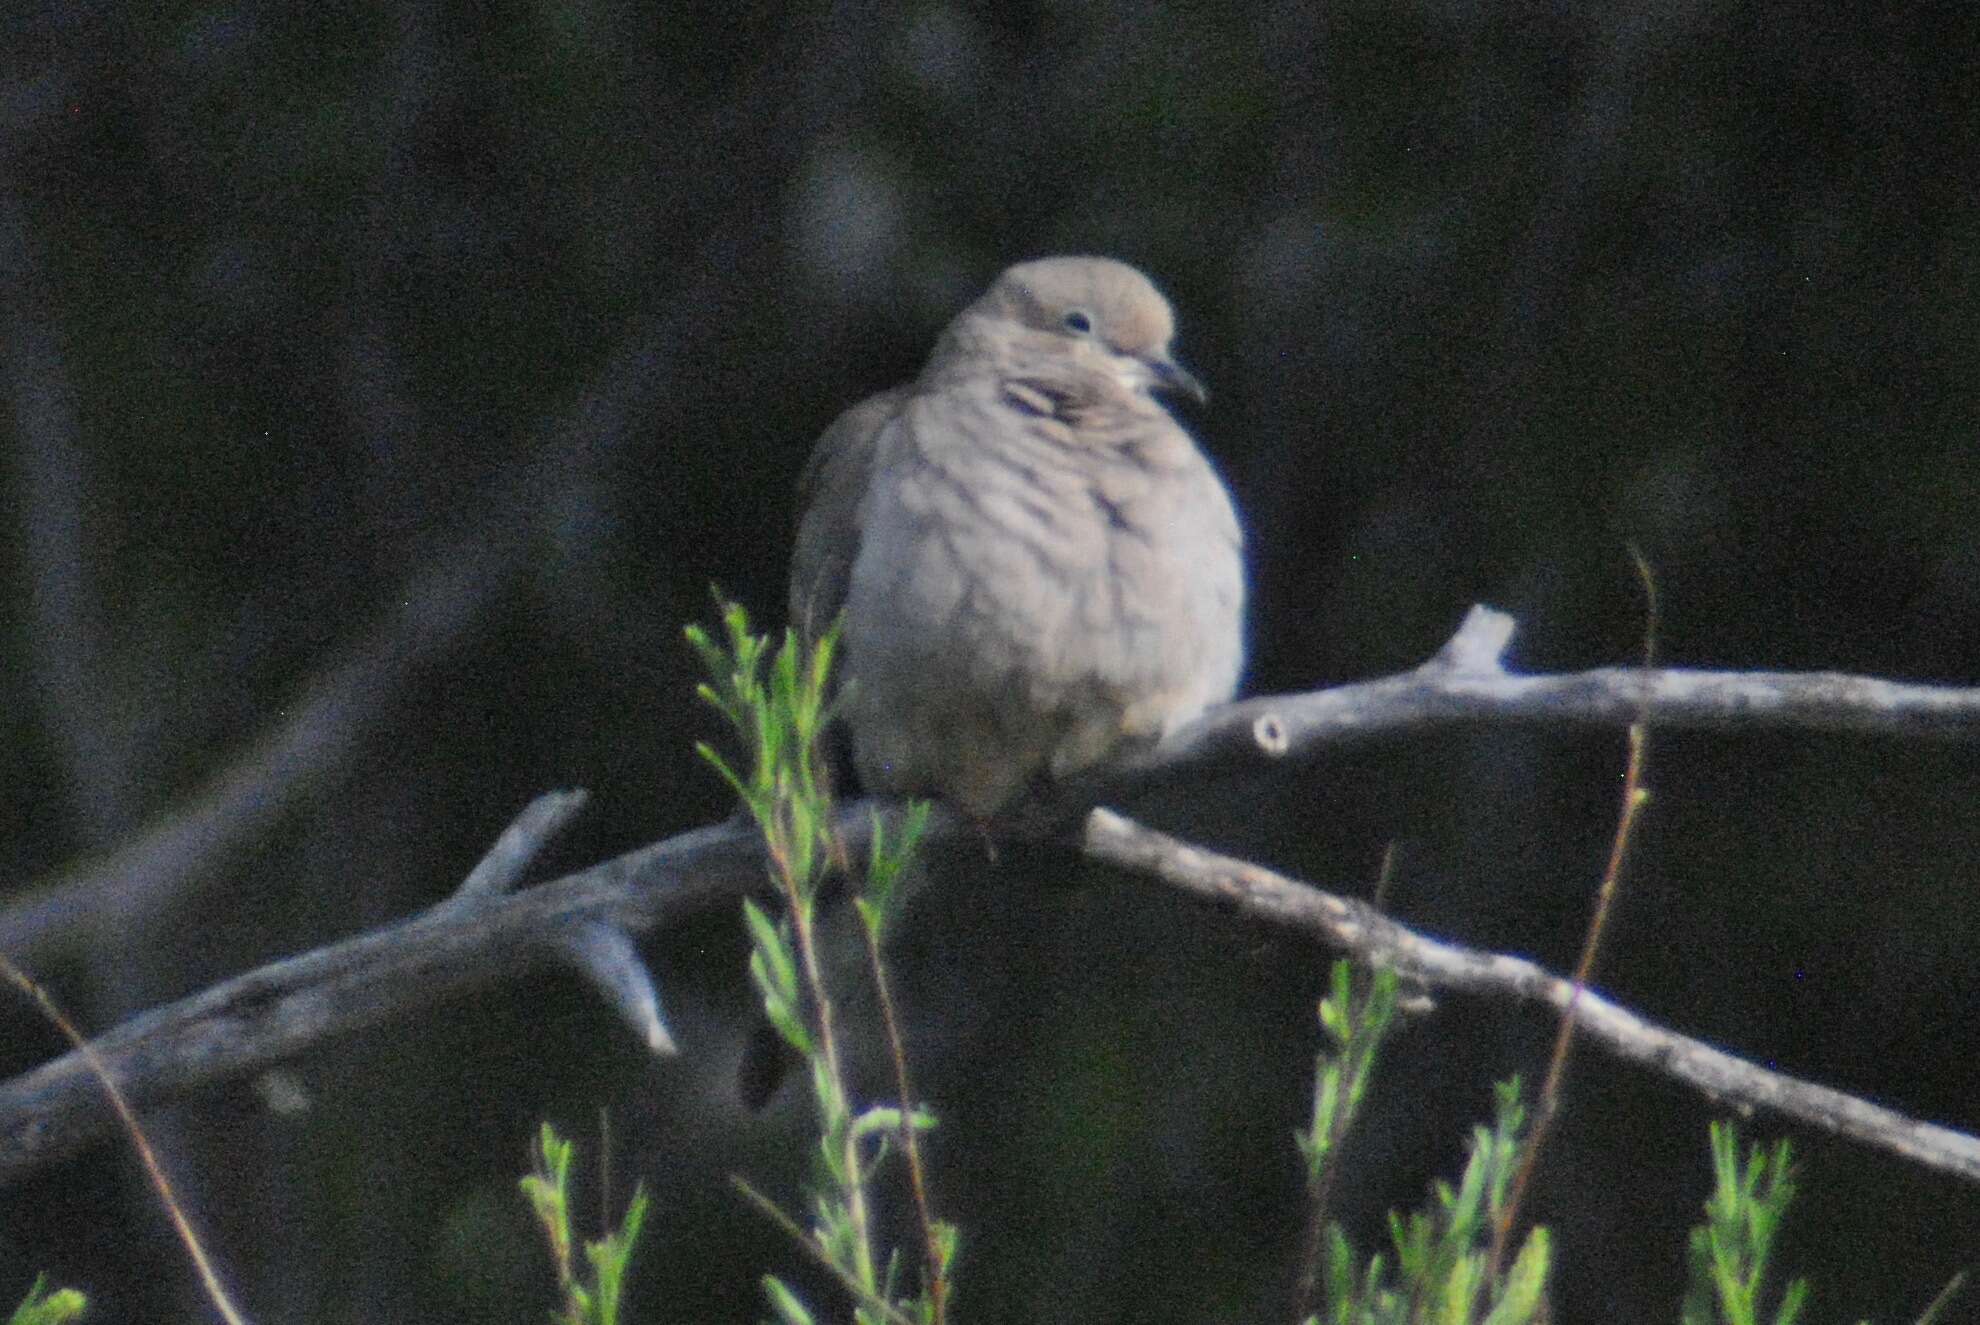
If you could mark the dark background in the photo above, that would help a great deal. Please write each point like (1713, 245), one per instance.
(449, 352)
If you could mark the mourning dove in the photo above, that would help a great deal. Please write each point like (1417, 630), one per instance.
(1038, 569)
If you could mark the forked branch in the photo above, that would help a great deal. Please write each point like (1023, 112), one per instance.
(488, 935)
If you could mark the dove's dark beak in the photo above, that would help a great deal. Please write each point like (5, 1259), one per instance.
(1172, 376)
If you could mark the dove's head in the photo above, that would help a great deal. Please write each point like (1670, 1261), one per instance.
(1094, 313)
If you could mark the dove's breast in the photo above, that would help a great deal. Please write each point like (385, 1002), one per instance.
(1029, 595)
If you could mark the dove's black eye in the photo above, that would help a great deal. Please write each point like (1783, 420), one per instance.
(1078, 323)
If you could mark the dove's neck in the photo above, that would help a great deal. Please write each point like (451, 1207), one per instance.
(981, 348)
(974, 345)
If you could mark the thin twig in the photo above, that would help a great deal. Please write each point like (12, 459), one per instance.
(828, 1046)
(604, 1170)
(209, 1277)
(1635, 796)
(937, 1277)
(1944, 1296)
(1547, 1103)
(864, 1297)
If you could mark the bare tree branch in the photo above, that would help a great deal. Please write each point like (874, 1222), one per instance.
(1352, 926)
(471, 939)
(1466, 683)
(484, 935)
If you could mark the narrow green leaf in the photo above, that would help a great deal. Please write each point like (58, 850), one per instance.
(1526, 1283)
(1953, 1288)
(1792, 1301)
(784, 1302)
(883, 1119)
(769, 940)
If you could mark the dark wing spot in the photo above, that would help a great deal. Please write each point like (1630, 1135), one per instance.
(1107, 506)
(1045, 401)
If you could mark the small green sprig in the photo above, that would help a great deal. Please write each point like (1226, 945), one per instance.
(593, 1298)
(1437, 1270)
(1730, 1252)
(779, 704)
(43, 1307)
(1356, 1015)
(1442, 1254)
(1440, 1270)
(780, 717)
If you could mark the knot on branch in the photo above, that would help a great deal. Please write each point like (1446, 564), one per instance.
(1269, 733)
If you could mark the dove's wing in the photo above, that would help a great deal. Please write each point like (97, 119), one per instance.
(830, 492)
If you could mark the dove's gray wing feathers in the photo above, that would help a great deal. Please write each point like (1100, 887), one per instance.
(834, 482)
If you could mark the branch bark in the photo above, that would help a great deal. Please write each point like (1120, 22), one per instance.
(485, 934)
(1355, 927)
(1465, 682)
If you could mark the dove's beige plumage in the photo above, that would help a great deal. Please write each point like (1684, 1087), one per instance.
(1038, 568)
